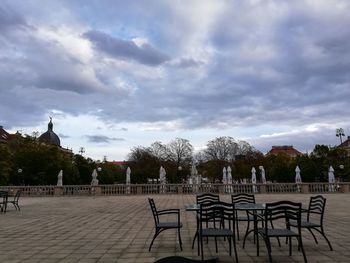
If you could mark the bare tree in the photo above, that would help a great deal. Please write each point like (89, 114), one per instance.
(138, 153)
(199, 157)
(222, 148)
(159, 151)
(181, 151)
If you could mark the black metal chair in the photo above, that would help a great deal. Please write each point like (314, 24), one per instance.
(221, 216)
(161, 226)
(15, 199)
(207, 197)
(314, 219)
(3, 200)
(286, 212)
(243, 198)
(204, 199)
(176, 259)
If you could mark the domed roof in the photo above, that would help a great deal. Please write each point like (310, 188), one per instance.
(49, 136)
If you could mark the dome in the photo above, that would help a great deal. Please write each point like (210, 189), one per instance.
(49, 136)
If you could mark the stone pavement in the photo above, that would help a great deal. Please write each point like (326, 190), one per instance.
(120, 228)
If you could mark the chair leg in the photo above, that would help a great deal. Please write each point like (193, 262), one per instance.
(202, 256)
(180, 241)
(290, 246)
(235, 248)
(194, 239)
(154, 237)
(198, 243)
(268, 245)
(248, 227)
(313, 235)
(278, 239)
(257, 245)
(237, 229)
(324, 235)
(302, 248)
(229, 244)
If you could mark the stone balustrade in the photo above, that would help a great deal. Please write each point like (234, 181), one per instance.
(148, 189)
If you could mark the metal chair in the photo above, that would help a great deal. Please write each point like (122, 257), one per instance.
(315, 212)
(221, 215)
(15, 199)
(204, 199)
(243, 198)
(283, 212)
(160, 226)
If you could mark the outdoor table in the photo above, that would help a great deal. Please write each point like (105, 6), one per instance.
(254, 208)
(241, 207)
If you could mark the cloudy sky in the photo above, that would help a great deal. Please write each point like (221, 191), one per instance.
(116, 74)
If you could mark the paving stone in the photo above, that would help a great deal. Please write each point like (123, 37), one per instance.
(120, 228)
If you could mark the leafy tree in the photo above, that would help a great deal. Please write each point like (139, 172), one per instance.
(279, 167)
(143, 165)
(5, 165)
(307, 167)
(110, 173)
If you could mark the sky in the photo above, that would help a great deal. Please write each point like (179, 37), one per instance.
(118, 74)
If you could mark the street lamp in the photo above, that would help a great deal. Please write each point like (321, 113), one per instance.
(81, 150)
(19, 171)
(340, 133)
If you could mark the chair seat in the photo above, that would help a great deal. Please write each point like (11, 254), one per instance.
(276, 232)
(212, 232)
(169, 225)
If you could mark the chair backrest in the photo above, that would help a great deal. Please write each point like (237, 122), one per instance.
(283, 210)
(154, 210)
(243, 198)
(217, 211)
(207, 198)
(317, 206)
(17, 195)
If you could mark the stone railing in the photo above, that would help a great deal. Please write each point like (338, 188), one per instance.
(150, 189)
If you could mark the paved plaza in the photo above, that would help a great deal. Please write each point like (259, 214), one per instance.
(120, 228)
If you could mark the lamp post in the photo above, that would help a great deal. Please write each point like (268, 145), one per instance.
(341, 167)
(340, 133)
(179, 172)
(81, 150)
(19, 171)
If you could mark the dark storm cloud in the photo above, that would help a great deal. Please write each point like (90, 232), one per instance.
(102, 139)
(124, 49)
